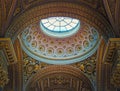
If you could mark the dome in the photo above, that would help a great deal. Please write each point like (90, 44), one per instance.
(54, 50)
(59, 27)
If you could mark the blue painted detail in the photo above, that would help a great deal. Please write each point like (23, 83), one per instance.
(60, 61)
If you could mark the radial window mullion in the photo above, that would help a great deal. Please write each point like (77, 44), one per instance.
(60, 26)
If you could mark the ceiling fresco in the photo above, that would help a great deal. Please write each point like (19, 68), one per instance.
(52, 50)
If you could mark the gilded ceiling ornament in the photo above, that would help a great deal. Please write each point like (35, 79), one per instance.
(30, 67)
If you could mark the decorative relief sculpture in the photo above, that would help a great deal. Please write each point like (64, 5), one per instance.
(3, 76)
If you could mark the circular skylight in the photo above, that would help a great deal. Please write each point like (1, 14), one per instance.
(60, 26)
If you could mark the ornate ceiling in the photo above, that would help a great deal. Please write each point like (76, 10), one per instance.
(13, 8)
(53, 50)
(29, 57)
(49, 10)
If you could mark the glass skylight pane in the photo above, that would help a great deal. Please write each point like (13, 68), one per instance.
(75, 21)
(58, 26)
(72, 24)
(68, 27)
(52, 20)
(59, 18)
(56, 29)
(62, 23)
(51, 27)
(44, 20)
(63, 28)
(67, 20)
(57, 23)
(47, 24)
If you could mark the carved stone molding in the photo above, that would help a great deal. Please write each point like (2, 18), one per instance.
(107, 70)
(56, 77)
(32, 66)
(113, 11)
(115, 75)
(7, 48)
(81, 12)
(112, 47)
(6, 11)
(88, 67)
(100, 75)
(3, 76)
(23, 5)
(30, 3)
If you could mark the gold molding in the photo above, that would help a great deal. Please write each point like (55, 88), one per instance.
(107, 58)
(7, 47)
(112, 46)
(3, 76)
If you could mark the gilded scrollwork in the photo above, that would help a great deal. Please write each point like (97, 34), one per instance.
(88, 67)
(115, 78)
(3, 76)
(31, 66)
(7, 47)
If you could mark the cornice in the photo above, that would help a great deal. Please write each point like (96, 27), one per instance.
(108, 77)
(7, 47)
(112, 47)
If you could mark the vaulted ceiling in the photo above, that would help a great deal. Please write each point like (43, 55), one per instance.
(11, 9)
(26, 72)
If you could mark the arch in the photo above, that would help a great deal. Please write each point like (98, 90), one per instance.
(59, 9)
(58, 69)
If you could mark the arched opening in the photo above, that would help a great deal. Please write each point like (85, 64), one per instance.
(59, 78)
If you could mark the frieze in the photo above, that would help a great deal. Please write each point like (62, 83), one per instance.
(112, 47)
(110, 65)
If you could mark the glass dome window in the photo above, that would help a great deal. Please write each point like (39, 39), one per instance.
(60, 26)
